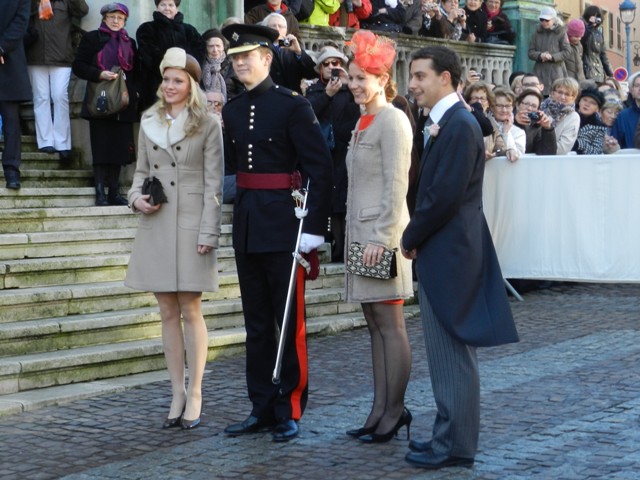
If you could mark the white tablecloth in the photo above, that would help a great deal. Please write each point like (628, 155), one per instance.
(566, 217)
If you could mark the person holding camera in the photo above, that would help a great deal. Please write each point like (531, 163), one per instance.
(537, 125)
(446, 20)
(594, 55)
(290, 62)
(507, 140)
(258, 14)
(337, 112)
(350, 13)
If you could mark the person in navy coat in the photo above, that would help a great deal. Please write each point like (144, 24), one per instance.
(462, 296)
(14, 84)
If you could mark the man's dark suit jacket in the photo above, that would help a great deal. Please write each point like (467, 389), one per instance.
(457, 263)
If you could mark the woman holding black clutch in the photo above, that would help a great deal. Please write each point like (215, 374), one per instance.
(111, 136)
(378, 164)
(174, 252)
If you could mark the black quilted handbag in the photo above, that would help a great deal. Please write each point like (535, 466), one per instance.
(386, 269)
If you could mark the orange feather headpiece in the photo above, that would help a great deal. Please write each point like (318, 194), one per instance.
(372, 53)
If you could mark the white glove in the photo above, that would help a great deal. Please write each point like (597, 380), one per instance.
(310, 242)
(391, 3)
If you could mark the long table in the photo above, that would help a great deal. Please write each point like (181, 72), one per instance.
(566, 217)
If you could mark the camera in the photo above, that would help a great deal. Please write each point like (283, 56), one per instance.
(335, 74)
(480, 76)
(284, 42)
(534, 117)
(598, 20)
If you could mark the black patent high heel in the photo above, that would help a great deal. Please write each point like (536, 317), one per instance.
(359, 432)
(405, 419)
(173, 422)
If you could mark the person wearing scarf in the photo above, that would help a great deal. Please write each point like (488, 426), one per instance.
(111, 137)
(213, 79)
(499, 30)
(560, 106)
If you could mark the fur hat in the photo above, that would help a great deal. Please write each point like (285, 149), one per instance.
(177, 58)
(593, 93)
(575, 28)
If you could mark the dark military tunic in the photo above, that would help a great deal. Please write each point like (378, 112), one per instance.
(271, 129)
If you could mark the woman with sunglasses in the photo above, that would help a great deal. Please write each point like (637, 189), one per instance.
(549, 46)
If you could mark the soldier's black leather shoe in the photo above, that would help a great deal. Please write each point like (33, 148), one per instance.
(285, 431)
(250, 425)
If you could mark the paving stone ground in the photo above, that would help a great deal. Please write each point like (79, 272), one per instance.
(564, 403)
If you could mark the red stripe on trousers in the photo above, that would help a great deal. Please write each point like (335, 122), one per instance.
(301, 346)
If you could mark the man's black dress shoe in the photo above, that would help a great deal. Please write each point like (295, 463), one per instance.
(47, 150)
(418, 446)
(430, 461)
(285, 430)
(250, 425)
(12, 178)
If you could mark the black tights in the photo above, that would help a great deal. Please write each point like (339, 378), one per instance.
(107, 176)
(391, 356)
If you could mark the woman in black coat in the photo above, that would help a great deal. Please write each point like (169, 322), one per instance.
(111, 137)
(166, 30)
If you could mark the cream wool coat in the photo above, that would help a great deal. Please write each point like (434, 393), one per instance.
(164, 256)
(378, 168)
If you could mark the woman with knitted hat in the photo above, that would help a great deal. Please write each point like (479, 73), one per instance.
(111, 137)
(378, 164)
(573, 61)
(174, 252)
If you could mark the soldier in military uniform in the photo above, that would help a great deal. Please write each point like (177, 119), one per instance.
(272, 133)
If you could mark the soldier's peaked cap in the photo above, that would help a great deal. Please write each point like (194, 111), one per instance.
(243, 38)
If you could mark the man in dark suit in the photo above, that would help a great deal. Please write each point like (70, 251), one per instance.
(14, 84)
(272, 132)
(461, 292)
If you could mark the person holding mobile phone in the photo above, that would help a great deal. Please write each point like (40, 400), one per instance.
(337, 113)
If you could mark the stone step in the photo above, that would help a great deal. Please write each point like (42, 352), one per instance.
(55, 178)
(30, 220)
(73, 243)
(62, 333)
(68, 270)
(40, 370)
(66, 300)
(35, 160)
(42, 302)
(47, 198)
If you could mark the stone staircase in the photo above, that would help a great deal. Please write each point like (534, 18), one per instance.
(65, 315)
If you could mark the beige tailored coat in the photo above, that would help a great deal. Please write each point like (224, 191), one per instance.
(378, 169)
(164, 256)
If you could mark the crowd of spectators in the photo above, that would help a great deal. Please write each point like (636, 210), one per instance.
(569, 100)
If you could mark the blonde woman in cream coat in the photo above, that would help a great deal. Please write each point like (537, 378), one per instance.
(378, 167)
(174, 252)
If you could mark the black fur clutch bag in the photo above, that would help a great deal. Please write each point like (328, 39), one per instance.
(152, 186)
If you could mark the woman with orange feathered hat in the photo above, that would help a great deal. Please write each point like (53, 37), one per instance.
(378, 164)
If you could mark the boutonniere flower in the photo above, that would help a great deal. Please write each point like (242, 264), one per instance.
(434, 130)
